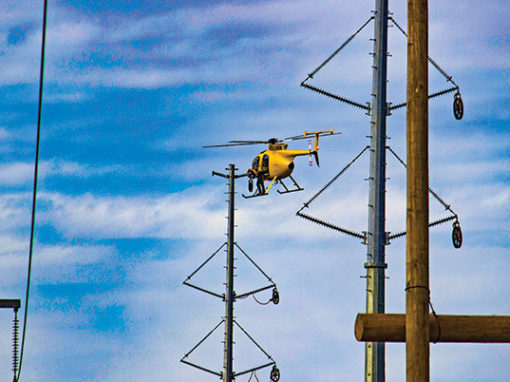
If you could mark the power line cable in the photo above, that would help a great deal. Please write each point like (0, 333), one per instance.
(34, 191)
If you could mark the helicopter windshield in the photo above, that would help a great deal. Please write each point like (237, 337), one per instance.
(265, 162)
(255, 163)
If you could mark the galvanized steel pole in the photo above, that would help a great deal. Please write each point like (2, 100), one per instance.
(376, 234)
(229, 292)
(417, 244)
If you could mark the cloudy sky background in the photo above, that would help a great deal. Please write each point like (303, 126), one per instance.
(127, 207)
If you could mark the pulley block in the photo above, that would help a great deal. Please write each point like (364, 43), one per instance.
(456, 235)
(458, 106)
(275, 374)
(276, 296)
(250, 184)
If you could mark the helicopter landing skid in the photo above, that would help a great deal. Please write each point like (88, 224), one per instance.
(287, 190)
(255, 195)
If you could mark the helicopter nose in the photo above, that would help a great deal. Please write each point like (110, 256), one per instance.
(291, 166)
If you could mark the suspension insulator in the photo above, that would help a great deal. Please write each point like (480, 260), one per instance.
(276, 296)
(458, 106)
(456, 235)
(250, 184)
(275, 374)
(15, 344)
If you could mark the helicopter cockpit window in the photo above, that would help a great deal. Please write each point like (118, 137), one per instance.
(255, 164)
(265, 163)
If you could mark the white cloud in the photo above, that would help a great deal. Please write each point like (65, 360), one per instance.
(22, 172)
(14, 211)
(73, 97)
(16, 173)
(174, 216)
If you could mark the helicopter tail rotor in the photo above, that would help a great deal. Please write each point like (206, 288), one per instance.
(315, 153)
(316, 156)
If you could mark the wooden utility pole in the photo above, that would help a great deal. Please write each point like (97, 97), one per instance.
(417, 244)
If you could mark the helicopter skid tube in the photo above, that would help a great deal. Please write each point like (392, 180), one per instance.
(287, 191)
(255, 195)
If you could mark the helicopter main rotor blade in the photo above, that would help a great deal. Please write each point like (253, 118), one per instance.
(234, 143)
(302, 136)
(269, 141)
(249, 142)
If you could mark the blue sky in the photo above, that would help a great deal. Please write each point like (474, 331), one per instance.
(127, 207)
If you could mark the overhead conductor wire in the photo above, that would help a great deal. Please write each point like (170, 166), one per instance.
(34, 191)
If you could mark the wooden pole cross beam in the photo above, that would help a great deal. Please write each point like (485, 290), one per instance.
(443, 328)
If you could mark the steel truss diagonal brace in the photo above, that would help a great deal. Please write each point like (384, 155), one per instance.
(310, 75)
(272, 285)
(447, 207)
(330, 94)
(255, 264)
(183, 359)
(334, 179)
(205, 262)
(431, 60)
(254, 342)
(187, 283)
(431, 191)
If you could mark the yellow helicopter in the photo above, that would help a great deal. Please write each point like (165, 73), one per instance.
(277, 162)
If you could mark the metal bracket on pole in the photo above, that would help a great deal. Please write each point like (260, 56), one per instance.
(10, 304)
(13, 304)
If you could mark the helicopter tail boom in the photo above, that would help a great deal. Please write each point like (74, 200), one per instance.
(317, 135)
